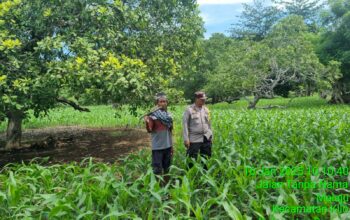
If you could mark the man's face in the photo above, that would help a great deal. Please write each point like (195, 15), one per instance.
(200, 102)
(162, 103)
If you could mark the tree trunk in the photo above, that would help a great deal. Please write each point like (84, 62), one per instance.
(336, 95)
(323, 95)
(14, 130)
(254, 102)
(308, 89)
(346, 98)
(336, 99)
(214, 100)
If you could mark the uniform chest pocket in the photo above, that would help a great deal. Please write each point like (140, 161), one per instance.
(195, 118)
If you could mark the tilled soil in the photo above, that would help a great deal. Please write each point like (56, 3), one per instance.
(73, 143)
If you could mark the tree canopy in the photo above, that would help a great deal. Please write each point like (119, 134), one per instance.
(335, 45)
(284, 56)
(56, 51)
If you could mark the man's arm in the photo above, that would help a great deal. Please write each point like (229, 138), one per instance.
(149, 124)
(172, 146)
(209, 122)
(209, 118)
(171, 127)
(185, 120)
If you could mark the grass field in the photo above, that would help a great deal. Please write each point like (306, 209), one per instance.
(104, 116)
(309, 133)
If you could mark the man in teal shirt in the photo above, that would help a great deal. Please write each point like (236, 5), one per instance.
(160, 124)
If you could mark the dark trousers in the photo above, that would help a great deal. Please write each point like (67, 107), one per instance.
(161, 161)
(203, 148)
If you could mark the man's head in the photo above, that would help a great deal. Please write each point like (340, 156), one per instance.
(200, 98)
(161, 100)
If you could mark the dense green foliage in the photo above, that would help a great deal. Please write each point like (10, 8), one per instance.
(259, 16)
(309, 133)
(308, 9)
(277, 48)
(285, 56)
(93, 51)
(335, 44)
(94, 47)
(256, 20)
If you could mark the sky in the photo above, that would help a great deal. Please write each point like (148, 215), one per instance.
(218, 15)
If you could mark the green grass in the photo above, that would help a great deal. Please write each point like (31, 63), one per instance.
(100, 116)
(308, 133)
(105, 116)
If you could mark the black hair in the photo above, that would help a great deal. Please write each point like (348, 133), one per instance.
(159, 95)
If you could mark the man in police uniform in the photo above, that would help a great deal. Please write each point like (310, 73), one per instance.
(197, 131)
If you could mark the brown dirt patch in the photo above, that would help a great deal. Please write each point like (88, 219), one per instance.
(65, 144)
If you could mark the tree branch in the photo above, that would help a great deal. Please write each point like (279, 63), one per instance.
(73, 104)
(245, 98)
(271, 107)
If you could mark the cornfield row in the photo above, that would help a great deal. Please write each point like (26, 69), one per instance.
(310, 137)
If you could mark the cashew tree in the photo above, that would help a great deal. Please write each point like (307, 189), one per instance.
(257, 68)
(53, 51)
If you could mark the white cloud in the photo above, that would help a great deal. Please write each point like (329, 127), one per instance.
(221, 2)
(210, 19)
(206, 17)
